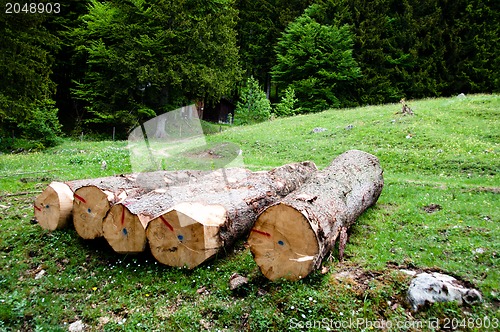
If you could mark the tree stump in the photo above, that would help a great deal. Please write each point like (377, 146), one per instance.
(290, 238)
(198, 228)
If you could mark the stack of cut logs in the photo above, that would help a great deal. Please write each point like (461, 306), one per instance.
(292, 215)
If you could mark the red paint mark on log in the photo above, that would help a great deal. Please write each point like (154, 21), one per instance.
(37, 208)
(167, 223)
(123, 216)
(261, 232)
(80, 198)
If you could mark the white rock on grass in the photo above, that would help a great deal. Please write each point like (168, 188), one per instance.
(437, 287)
(40, 274)
(77, 326)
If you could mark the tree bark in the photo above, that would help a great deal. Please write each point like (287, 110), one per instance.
(199, 227)
(125, 225)
(54, 206)
(94, 198)
(290, 238)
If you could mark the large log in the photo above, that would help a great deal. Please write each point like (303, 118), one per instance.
(125, 225)
(290, 238)
(94, 198)
(198, 228)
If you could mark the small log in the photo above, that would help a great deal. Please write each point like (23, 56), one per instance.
(91, 205)
(59, 197)
(290, 239)
(125, 225)
(198, 228)
(53, 206)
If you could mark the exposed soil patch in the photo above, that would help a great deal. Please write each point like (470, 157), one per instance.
(494, 190)
(206, 154)
(218, 151)
(431, 208)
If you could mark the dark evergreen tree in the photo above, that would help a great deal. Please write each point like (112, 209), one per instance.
(26, 90)
(66, 67)
(316, 61)
(418, 49)
(472, 39)
(146, 57)
(260, 24)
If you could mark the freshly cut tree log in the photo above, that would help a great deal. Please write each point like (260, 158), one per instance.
(94, 198)
(59, 198)
(125, 225)
(290, 239)
(53, 206)
(198, 228)
(91, 205)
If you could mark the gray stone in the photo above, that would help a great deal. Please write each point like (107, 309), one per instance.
(236, 281)
(40, 274)
(436, 287)
(77, 326)
(408, 272)
(318, 130)
(461, 96)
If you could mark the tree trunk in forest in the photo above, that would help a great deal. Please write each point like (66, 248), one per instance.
(290, 238)
(196, 229)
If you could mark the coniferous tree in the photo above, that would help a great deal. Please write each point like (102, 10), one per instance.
(66, 67)
(417, 49)
(146, 57)
(26, 89)
(260, 24)
(253, 105)
(316, 61)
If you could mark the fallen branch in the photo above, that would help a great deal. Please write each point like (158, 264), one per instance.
(20, 194)
(25, 173)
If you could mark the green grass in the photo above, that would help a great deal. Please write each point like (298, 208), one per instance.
(452, 159)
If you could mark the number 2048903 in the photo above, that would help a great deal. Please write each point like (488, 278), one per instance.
(32, 8)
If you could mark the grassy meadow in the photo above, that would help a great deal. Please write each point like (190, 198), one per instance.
(439, 211)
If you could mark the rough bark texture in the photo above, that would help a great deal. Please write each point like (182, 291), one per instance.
(94, 198)
(54, 206)
(291, 238)
(195, 230)
(125, 225)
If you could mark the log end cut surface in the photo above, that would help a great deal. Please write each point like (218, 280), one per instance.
(187, 235)
(90, 207)
(283, 244)
(124, 231)
(53, 206)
